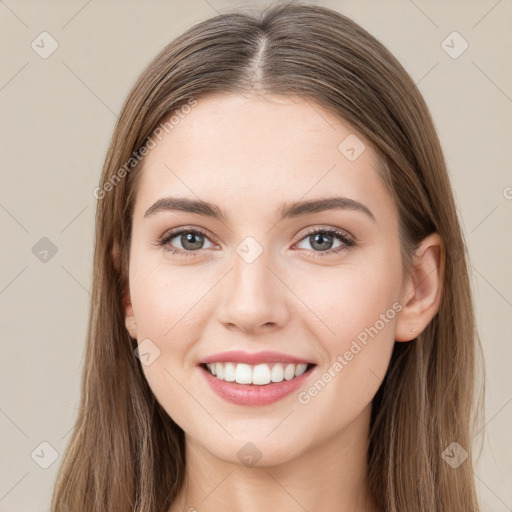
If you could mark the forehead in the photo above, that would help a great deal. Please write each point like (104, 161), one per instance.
(251, 151)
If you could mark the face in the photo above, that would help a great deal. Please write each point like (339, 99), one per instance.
(321, 285)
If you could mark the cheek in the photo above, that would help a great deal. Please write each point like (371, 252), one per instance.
(170, 309)
(357, 307)
(346, 301)
(168, 303)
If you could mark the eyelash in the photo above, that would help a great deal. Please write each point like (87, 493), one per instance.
(348, 242)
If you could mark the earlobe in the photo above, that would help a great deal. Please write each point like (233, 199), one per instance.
(422, 291)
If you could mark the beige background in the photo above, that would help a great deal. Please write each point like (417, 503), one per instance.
(57, 118)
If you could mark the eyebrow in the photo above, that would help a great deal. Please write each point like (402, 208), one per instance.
(286, 210)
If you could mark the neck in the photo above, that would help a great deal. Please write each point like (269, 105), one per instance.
(328, 476)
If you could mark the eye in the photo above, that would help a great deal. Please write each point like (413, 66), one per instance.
(322, 240)
(191, 240)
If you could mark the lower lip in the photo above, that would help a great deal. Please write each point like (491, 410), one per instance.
(253, 394)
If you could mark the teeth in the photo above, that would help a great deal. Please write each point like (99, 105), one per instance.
(243, 373)
(259, 374)
(277, 373)
(229, 372)
(289, 372)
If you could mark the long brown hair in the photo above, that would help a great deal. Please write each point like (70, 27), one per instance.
(125, 452)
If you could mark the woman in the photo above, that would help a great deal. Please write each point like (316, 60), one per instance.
(281, 313)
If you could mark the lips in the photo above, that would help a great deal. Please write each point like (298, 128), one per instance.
(257, 378)
(253, 358)
(251, 394)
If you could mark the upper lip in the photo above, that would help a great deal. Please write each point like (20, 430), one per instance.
(267, 356)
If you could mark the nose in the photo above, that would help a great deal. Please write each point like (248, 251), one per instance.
(254, 295)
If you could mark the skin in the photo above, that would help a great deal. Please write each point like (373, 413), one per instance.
(248, 155)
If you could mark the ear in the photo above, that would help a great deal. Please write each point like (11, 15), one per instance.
(422, 290)
(129, 317)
